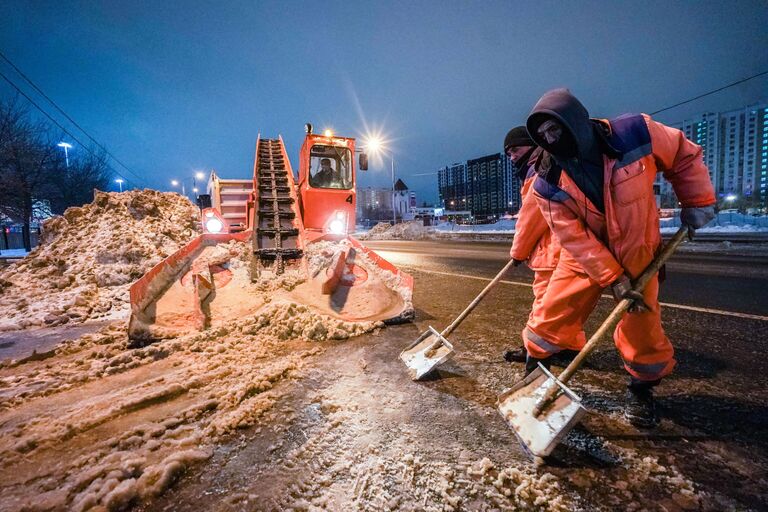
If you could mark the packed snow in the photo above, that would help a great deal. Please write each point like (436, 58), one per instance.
(89, 257)
(409, 230)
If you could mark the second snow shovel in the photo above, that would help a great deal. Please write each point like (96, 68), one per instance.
(541, 408)
(432, 348)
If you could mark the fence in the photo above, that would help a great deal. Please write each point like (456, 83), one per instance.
(14, 240)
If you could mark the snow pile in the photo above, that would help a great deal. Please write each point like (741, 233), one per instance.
(377, 230)
(89, 257)
(320, 255)
(410, 230)
(287, 320)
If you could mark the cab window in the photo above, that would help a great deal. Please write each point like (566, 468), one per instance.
(330, 167)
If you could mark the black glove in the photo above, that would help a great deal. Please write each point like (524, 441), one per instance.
(622, 289)
(696, 217)
(516, 262)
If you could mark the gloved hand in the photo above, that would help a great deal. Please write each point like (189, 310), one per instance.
(696, 217)
(515, 262)
(622, 289)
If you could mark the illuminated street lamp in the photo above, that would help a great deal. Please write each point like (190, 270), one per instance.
(175, 183)
(67, 146)
(120, 181)
(199, 175)
(730, 198)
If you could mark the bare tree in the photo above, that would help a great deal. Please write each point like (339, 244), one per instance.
(28, 164)
(74, 185)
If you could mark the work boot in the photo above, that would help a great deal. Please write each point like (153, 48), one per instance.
(564, 357)
(516, 355)
(531, 363)
(639, 408)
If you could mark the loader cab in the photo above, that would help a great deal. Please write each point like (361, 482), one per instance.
(327, 183)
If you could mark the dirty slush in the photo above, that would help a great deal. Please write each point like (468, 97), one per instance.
(100, 426)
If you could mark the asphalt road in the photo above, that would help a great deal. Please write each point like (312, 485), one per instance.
(714, 430)
(351, 431)
(730, 281)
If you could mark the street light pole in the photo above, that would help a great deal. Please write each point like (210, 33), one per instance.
(66, 147)
(120, 182)
(394, 215)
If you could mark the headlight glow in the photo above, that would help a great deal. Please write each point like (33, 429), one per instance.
(336, 227)
(213, 225)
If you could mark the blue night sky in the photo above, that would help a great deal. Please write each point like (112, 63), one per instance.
(174, 87)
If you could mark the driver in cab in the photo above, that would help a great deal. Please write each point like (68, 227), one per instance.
(326, 177)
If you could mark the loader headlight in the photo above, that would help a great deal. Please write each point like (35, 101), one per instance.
(336, 227)
(213, 225)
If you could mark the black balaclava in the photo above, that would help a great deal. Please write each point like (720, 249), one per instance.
(578, 150)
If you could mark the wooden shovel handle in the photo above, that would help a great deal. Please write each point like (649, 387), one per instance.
(613, 319)
(448, 330)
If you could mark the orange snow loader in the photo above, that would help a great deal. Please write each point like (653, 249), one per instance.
(263, 230)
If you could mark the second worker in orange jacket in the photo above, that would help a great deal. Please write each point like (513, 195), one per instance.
(533, 241)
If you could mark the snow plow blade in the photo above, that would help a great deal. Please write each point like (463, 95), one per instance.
(175, 295)
(200, 286)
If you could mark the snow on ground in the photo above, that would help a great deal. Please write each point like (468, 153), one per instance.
(500, 226)
(729, 229)
(88, 258)
(13, 253)
(131, 421)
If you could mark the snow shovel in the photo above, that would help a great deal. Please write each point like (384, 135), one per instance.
(432, 349)
(541, 409)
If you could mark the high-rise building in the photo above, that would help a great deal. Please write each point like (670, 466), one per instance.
(513, 193)
(487, 186)
(374, 203)
(735, 146)
(755, 154)
(452, 185)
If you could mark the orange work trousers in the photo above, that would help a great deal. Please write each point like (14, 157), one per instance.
(560, 310)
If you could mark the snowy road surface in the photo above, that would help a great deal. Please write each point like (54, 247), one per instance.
(234, 420)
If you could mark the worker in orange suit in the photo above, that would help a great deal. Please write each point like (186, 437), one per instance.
(533, 242)
(598, 199)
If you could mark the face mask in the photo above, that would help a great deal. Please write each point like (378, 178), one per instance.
(556, 139)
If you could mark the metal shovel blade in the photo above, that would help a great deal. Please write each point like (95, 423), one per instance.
(426, 353)
(540, 435)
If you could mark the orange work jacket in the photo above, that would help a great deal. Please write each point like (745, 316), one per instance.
(626, 237)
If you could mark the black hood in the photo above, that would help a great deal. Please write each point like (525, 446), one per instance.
(562, 106)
